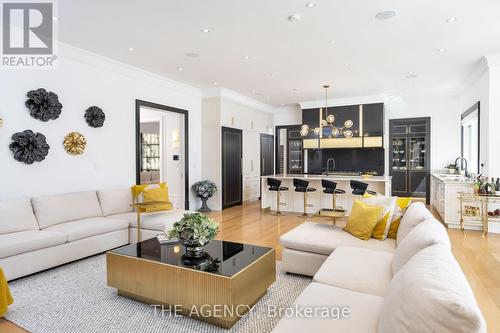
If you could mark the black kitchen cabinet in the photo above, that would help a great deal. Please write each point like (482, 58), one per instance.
(373, 119)
(409, 157)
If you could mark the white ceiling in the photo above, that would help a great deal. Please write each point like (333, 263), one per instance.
(380, 53)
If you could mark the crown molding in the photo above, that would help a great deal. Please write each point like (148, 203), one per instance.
(238, 98)
(69, 52)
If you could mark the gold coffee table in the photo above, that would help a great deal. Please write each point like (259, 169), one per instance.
(218, 289)
(141, 207)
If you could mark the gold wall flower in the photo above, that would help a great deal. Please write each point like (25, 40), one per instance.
(74, 143)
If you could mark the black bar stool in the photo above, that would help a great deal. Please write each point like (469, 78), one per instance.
(359, 188)
(330, 187)
(302, 186)
(275, 185)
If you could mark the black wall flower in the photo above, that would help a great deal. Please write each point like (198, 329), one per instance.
(29, 147)
(43, 105)
(95, 116)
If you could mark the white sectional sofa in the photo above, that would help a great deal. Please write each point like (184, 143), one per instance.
(44, 232)
(411, 284)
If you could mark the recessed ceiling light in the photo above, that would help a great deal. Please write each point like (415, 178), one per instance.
(246, 57)
(215, 83)
(192, 55)
(131, 49)
(441, 50)
(451, 19)
(385, 15)
(310, 4)
(205, 30)
(332, 42)
(347, 64)
(294, 18)
(411, 75)
(180, 69)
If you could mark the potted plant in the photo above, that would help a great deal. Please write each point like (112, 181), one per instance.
(452, 168)
(194, 231)
(204, 189)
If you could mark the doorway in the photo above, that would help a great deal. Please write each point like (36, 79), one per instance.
(162, 152)
(232, 177)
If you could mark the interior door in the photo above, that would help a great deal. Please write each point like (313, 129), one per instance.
(232, 178)
(266, 154)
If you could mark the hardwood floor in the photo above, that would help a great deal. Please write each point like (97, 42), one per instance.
(478, 256)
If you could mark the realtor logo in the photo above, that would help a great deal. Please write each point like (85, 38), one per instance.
(28, 35)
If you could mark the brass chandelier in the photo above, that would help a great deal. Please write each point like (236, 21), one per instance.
(328, 123)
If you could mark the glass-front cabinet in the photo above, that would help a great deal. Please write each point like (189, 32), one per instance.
(409, 150)
(399, 155)
(289, 149)
(295, 156)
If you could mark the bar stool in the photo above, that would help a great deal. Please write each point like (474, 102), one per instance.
(275, 185)
(303, 187)
(359, 188)
(336, 212)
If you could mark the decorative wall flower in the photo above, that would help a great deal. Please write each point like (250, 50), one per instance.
(95, 116)
(43, 105)
(29, 147)
(74, 143)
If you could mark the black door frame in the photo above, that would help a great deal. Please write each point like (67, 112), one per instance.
(476, 106)
(140, 103)
(223, 168)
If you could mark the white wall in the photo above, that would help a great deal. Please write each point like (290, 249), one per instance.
(476, 89)
(288, 115)
(443, 110)
(81, 80)
(445, 124)
(493, 120)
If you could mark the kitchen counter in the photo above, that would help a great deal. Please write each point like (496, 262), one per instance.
(292, 201)
(332, 177)
(453, 178)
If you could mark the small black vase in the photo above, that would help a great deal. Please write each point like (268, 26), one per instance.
(204, 207)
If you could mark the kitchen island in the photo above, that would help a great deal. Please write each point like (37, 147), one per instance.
(292, 201)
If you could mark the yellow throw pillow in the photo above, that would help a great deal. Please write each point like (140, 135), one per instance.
(402, 204)
(389, 204)
(380, 229)
(363, 219)
(136, 191)
(157, 194)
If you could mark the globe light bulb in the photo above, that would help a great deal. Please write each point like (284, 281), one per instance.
(335, 132)
(305, 127)
(324, 123)
(330, 118)
(348, 134)
(304, 132)
(348, 123)
(317, 130)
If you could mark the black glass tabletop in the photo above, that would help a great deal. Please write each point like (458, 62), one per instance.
(220, 257)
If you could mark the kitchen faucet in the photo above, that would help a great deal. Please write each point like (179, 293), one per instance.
(328, 165)
(465, 160)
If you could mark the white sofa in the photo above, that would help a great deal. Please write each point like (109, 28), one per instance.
(411, 284)
(44, 232)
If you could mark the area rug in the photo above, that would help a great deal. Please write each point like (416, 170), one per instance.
(74, 298)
